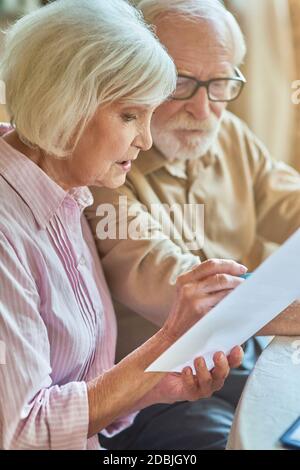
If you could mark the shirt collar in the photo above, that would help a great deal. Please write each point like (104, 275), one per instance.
(150, 161)
(83, 196)
(177, 168)
(40, 193)
(153, 160)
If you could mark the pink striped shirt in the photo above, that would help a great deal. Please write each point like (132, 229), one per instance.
(57, 323)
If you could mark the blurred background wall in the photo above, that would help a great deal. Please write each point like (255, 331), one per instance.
(10, 10)
(272, 30)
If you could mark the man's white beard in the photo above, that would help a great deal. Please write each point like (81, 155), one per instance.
(175, 147)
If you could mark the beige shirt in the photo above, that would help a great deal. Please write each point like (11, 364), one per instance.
(252, 204)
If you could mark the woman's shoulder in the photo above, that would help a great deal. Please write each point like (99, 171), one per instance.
(20, 238)
(15, 215)
(13, 209)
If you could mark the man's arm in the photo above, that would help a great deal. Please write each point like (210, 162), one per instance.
(286, 324)
(141, 273)
(276, 189)
(277, 193)
(277, 200)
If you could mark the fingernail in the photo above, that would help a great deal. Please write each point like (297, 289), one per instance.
(201, 362)
(198, 363)
(220, 357)
(243, 269)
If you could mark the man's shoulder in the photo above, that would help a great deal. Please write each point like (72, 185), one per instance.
(235, 136)
(233, 125)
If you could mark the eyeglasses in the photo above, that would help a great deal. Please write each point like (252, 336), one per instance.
(218, 89)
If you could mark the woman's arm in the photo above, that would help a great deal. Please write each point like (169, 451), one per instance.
(113, 394)
(35, 414)
(127, 387)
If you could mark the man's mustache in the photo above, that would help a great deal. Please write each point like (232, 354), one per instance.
(186, 124)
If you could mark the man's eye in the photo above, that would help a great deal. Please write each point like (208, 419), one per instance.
(128, 117)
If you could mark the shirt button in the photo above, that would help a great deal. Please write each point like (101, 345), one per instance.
(82, 261)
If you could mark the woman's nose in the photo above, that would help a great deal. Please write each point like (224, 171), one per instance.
(144, 141)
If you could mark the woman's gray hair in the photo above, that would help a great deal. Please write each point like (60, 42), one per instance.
(210, 10)
(64, 60)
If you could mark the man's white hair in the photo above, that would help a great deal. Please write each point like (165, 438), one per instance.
(210, 10)
(64, 60)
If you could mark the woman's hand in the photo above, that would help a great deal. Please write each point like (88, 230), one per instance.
(198, 291)
(185, 386)
(127, 388)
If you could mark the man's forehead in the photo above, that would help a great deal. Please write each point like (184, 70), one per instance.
(173, 22)
(204, 67)
(194, 41)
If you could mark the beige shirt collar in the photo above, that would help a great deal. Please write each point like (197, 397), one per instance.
(153, 160)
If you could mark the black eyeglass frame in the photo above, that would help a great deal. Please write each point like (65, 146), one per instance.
(239, 78)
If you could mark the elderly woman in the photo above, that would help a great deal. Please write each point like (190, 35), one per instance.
(82, 79)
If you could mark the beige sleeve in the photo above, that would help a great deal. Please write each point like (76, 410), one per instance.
(141, 273)
(276, 191)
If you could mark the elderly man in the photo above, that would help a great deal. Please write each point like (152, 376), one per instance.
(202, 155)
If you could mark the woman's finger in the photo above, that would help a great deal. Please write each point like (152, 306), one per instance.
(204, 304)
(216, 283)
(204, 377)
(211, 267)
(235, 358)
(189, 384)
(221, 370)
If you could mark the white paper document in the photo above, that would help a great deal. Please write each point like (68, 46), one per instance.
(263, 296)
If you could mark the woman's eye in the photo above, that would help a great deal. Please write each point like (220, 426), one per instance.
(128, 117)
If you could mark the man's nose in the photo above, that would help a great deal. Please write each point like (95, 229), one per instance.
(199, 105)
